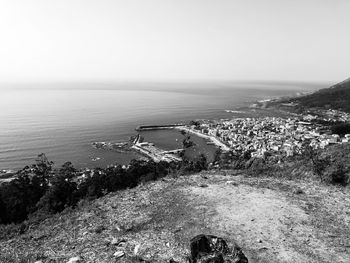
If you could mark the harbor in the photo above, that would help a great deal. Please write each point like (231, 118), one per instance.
(153, 150)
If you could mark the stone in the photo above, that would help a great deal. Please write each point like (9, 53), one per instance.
(74, 260)
(232, 183)
(298, 191)
(203, 185)
(114, 241)
(136, 249)
(212, 258)
(117, 242)
(119, 254)
(212, 249)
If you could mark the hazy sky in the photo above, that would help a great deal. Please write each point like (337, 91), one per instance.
(109, 40)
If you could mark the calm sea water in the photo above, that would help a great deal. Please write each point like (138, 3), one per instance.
(63, 121)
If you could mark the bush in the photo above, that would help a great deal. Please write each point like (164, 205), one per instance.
(336, 174)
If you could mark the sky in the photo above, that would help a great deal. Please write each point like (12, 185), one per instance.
(174, 40)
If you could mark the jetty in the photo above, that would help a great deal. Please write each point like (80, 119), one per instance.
(156, 154)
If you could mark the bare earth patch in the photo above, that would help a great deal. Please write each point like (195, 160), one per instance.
(271, 219)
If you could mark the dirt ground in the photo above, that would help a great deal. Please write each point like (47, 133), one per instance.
(273, 220)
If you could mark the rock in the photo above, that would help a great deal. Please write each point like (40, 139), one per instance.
(75, 260)
(212, 258)
(117, 242)
(99, 229)
(203, 185)
(298, 191)
(212, 249)
(137, 259)
(136, 249)
(114, 241)
(119, 254)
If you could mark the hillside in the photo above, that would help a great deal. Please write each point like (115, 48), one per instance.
(335, 97)
(273, 220)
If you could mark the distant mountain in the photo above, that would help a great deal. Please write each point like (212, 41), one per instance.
(335, 97)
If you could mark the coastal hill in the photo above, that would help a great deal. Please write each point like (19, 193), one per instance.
(335, 97)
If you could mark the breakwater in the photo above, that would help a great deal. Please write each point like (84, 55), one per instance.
(158, 127)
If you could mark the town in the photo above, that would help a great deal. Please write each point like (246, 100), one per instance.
(272, 135)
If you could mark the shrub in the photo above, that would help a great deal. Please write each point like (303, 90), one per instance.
(341, 129)
(196, 165)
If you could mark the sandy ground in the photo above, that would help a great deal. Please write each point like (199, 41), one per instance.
(272, 220)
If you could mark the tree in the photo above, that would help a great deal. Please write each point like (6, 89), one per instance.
(42, 168)
(60, 195)
(16, 199)
(3, 218)
(62, 192)
(195, 123)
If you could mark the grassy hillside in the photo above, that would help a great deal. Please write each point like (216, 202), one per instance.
(335, 97)
(273, 220)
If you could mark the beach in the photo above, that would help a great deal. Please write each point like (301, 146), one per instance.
(216, 141)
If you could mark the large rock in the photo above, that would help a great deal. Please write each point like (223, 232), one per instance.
(212, 249)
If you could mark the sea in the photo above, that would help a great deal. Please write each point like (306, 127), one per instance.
(63, 120)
